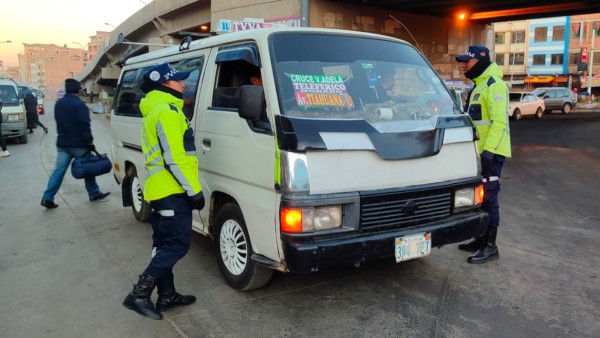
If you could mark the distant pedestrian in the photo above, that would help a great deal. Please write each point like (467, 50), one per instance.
(74, 140)
(4, 152)
(33, 119)
(91, 94)
(105, 101)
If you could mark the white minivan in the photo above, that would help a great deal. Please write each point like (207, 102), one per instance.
(352, 150)
(14, 121)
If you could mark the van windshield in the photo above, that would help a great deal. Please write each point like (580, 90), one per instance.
(345, 77)
(8, 96)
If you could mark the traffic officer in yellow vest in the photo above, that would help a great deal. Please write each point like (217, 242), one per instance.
(487, 105)
(172, 188)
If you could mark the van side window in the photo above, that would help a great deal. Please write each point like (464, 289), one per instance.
(231, 76)
(236, 65)
(130, 94)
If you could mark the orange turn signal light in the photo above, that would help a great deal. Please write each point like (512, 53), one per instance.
(479, 194)
(290, 220)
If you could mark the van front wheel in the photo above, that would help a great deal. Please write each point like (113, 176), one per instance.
(234, 251)
(23, 139)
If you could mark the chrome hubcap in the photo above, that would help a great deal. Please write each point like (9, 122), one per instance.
(234, 248)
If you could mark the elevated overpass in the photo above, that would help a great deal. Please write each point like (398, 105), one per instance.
(431, 24)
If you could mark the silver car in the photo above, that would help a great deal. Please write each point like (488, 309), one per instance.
(556, 98)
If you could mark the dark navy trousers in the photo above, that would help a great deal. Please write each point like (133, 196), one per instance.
(172, 225)
(491, 170)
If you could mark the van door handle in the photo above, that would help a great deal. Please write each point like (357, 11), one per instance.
(206, 142)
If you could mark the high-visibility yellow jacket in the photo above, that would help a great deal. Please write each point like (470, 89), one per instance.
(488, 107)
(169, 149)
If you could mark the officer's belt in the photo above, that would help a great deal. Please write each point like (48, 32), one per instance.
(483, 123)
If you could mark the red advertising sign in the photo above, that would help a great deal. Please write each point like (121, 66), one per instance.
(584, 53)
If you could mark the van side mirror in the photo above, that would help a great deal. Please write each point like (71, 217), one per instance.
(251, 104)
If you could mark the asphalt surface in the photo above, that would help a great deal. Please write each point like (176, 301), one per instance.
(65, 272)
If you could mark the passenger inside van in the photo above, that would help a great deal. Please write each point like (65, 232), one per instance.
(127, 105)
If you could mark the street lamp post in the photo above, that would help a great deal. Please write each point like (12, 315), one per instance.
(78, 44)
(514, 55)
(6, 41)
(591, 64)
(113, 26)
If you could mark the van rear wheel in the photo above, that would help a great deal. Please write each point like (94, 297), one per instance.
(141, 209)
(234, 251)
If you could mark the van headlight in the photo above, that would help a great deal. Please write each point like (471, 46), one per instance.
(468, 197)
(296, 220)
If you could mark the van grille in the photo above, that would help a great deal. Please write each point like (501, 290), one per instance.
(403, 210)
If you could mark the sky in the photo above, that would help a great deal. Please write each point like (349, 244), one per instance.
(59, 22)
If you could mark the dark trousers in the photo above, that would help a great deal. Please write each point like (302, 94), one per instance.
(2, 142)
(491, 170)
(172, 225)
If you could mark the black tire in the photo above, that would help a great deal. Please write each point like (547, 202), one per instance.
(23, 139)
(234, 249)
(539, 113)
(517, 114)
(141, 209)
(566, 108)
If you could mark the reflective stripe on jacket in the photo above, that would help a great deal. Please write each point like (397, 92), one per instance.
(168, 147)
(488, 108)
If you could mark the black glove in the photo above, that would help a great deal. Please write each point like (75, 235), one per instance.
(91, 147)
(487, 157)
(197, 201)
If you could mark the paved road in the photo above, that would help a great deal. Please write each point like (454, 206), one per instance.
(64, 272)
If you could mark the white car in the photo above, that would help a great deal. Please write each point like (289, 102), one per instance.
(525, 104)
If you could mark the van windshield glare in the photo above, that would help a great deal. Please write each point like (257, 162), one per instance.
(350, 77)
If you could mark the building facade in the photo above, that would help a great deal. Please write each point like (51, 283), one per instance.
(547, 53)
(46, 66)
(555, 52)
(584, 42)
(510, 47)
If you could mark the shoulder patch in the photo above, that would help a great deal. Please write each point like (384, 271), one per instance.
(497, 97)
(491, 81)
(173, 107)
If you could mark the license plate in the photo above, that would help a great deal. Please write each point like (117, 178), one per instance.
(413, 246)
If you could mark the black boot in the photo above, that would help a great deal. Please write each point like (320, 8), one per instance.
(168, 297)
(139, 300)
(488, 252)
(472, 246)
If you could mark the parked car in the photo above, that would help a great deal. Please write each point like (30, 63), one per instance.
(60, 93)
(525, 104)
(14, 122)
(556, 98)
(40, 99)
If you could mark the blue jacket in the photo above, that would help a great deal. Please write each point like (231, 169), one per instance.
(72, 122)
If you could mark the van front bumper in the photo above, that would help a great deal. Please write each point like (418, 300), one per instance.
(302, 255)
(13, 129)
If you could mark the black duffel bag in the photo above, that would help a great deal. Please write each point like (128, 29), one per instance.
(90, 165)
